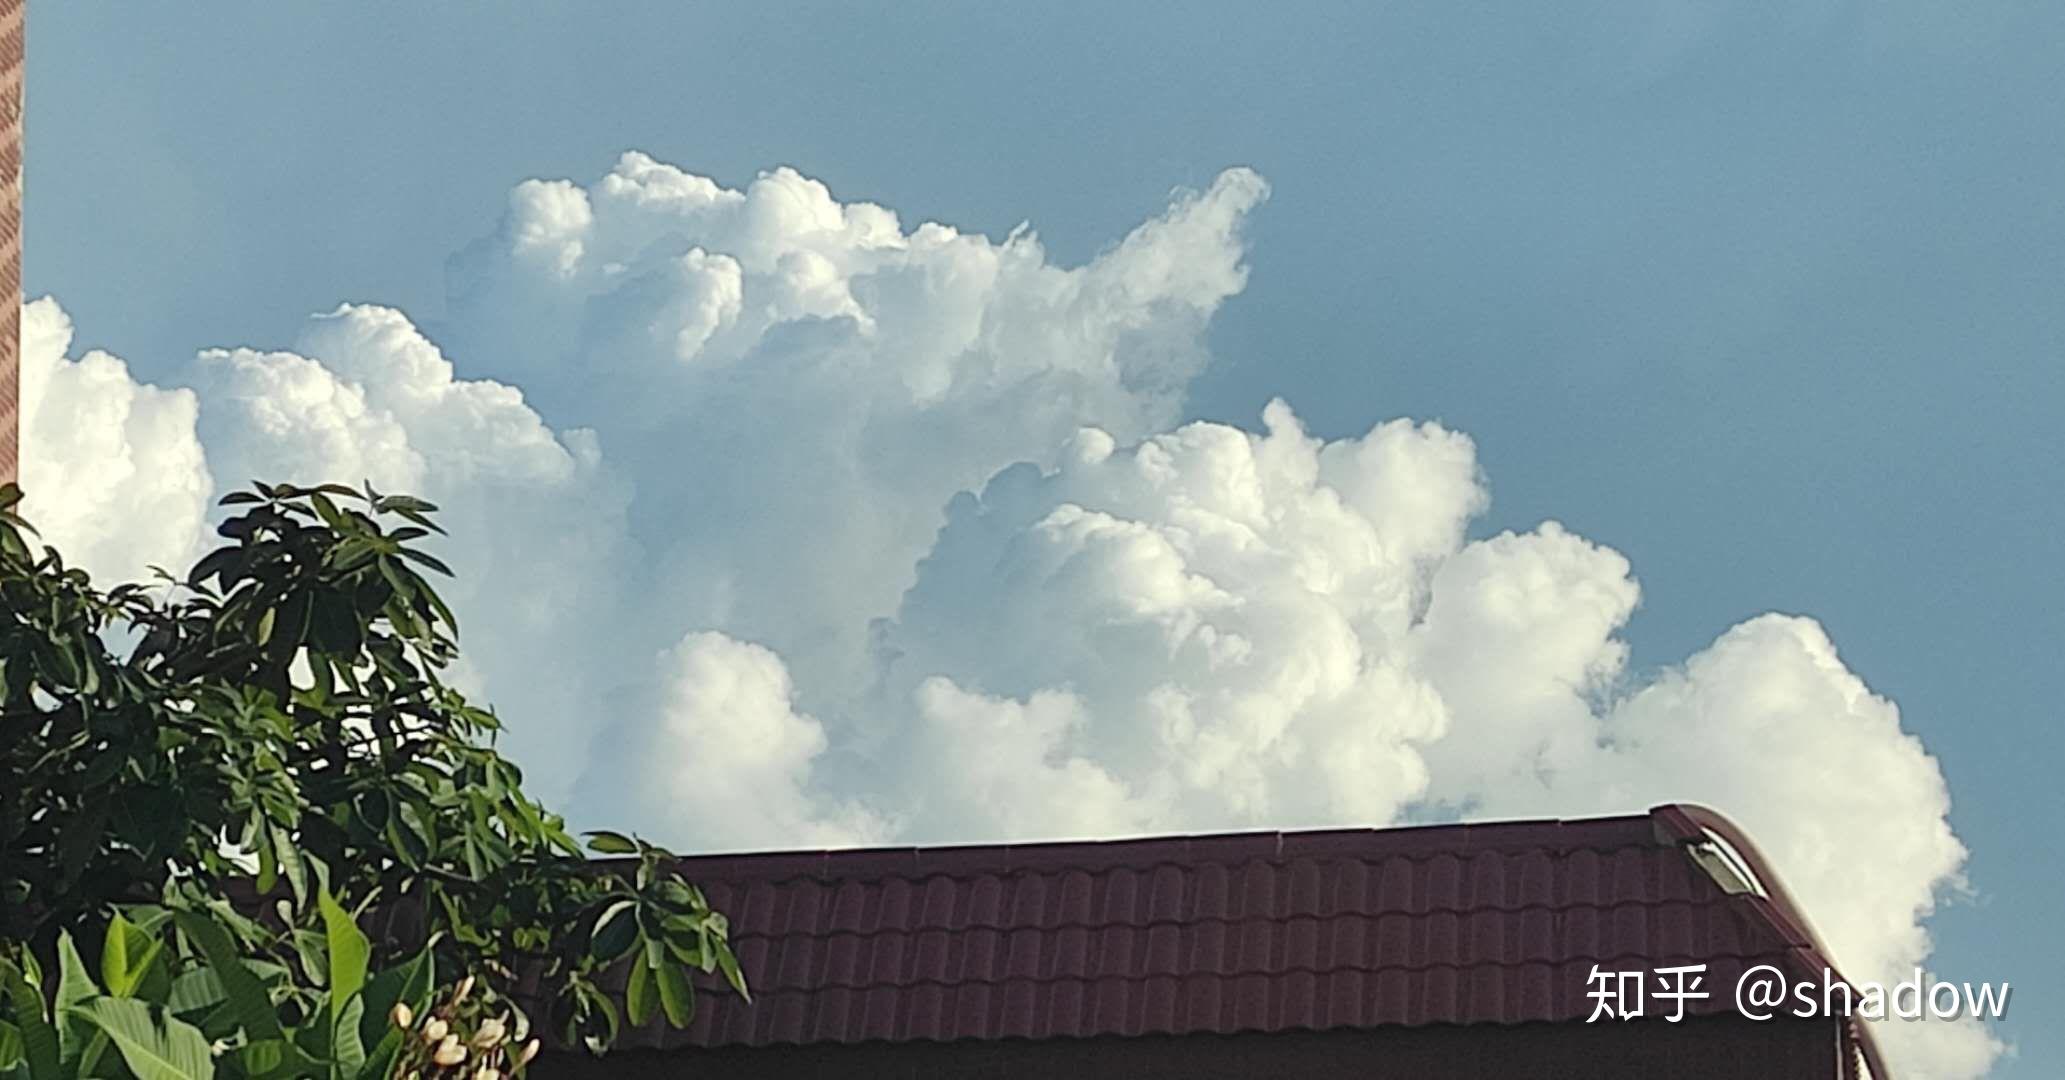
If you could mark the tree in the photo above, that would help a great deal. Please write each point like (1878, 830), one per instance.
(222, 782)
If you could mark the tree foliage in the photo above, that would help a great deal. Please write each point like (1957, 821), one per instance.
(224, 781)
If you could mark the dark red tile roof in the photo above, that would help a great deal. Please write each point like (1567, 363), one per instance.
(1261, 932)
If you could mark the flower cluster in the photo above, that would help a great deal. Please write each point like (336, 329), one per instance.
(465, 1038)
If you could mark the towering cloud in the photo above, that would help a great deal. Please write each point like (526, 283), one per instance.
(1216, 629)
(787, 376)
(809, 528)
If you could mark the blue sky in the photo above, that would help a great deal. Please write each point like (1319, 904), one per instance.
(1765, 298)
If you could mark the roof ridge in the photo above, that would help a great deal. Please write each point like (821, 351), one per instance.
(919, 876)
(1718, 900)
(1414, 842)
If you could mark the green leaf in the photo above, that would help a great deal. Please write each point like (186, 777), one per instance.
(66, 664)
(268, 864)
(264, 1057)
(347, 1050)
(334, 625)
(314, 951)
(607, 1010)
(39, 1038)
(676, 995)
(616, 930)
(730, 965)
(420, 519)
(126, 955)
(74, 983)
(87, 1061)
(246, 997)
(688, 950)
(380, 1059)
(13, 1051)
(327, 510)
(349, 953)
(427, 560)
(639, 1000)
(215, 563)
(154, 981)
(154, 1045)
(404, 503)
(371, 808)
(291, 864)
(83, 836)
(604, 842)
(410, 982)
(396, 576)
(195, 991)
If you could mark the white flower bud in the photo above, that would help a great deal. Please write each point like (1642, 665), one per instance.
(434, 1029)
(449, 1052)
(402, 1017)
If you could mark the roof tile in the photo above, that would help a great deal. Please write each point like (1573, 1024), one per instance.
(1496, 923)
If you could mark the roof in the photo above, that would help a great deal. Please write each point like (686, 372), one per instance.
(1258, 932)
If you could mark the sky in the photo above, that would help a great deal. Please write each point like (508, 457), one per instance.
(1387, 412)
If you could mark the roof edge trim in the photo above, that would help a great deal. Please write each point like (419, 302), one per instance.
(1693, 823)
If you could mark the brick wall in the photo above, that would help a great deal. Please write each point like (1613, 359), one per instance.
(10, 231)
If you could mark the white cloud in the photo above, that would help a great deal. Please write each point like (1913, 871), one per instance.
(782, 372)
(905, 518)
(1229, 624)
(1519, 637)
(1004, 768)
(717, 751)
(1215, 629)
(112, 474)
(1768, 723)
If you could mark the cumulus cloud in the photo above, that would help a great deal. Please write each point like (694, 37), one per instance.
(716, 749)
(784, 372)
(1231, 626)
(113, 474)
(1217, 629)
(807, 527)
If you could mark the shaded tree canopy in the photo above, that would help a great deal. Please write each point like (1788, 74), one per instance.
(238, 770)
